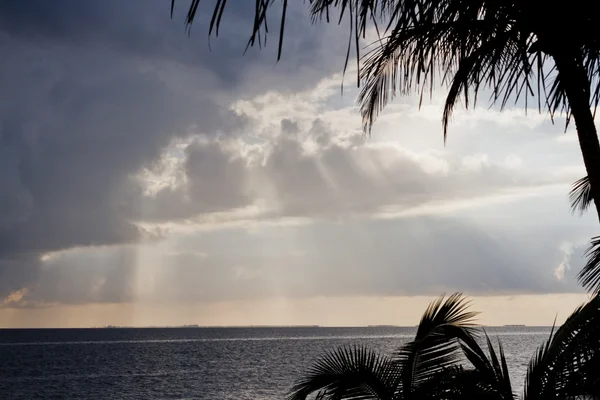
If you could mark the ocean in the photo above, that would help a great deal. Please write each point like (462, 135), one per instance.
(195, 363)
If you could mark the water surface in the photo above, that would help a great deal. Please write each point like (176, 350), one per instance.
(194, 363)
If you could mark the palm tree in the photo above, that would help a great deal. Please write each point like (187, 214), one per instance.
(446, 361)
(423, 368)
(519, 49)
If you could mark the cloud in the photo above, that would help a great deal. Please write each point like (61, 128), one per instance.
(565, 265)
(321, 172)
(350, 257)
(118, 133)
(97, 92)
(212, 178)
(80, 276)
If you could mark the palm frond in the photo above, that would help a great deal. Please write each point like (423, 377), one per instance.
(490, 375)
(453, 383)
(350, 373)
(260, 26)
(464, 43)
(566, 365)
(580, 195)
(436, 346)
(589, 276)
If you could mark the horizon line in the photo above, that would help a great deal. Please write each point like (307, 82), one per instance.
(259, 326)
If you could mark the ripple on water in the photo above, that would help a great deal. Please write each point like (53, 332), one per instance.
(190, 363)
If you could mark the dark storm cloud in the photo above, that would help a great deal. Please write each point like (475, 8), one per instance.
(74, 165)
(92, 92)
(145, 30)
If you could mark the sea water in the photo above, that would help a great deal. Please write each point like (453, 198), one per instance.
(196, 363)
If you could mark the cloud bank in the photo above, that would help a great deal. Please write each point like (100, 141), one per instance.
(139, 165)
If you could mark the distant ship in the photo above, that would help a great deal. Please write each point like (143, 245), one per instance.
(513, 326)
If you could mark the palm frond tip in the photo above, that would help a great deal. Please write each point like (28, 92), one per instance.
(580, 195)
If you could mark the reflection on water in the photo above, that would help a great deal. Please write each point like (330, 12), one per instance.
(194, 363)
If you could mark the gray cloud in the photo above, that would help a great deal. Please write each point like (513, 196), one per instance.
(412, 256)
(146, 32)
(365, 257)
(94, 92)
(85, 276)
(339, 175)
(216, 179)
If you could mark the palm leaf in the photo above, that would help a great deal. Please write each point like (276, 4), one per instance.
(458, 383)
(350, 373)
(468, 44)
(452, 383)
(490, 375)
(589, 276)
(580, 195)
(436, 346)
(260, 26)
(357, 373)
(566, 366)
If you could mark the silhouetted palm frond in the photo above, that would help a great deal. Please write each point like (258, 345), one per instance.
(467, 44)
(486, 379)
(490, 376)
(566, 366)
(349, 373)
(452, 383)
(580, 195)
(464, 44)
(357, 373)
(260, 26)
(436, 346)
(589, 276)
(429, 368)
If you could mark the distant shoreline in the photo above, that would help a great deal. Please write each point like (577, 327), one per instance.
(266, 327)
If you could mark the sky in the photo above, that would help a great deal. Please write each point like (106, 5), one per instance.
(151, 176)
